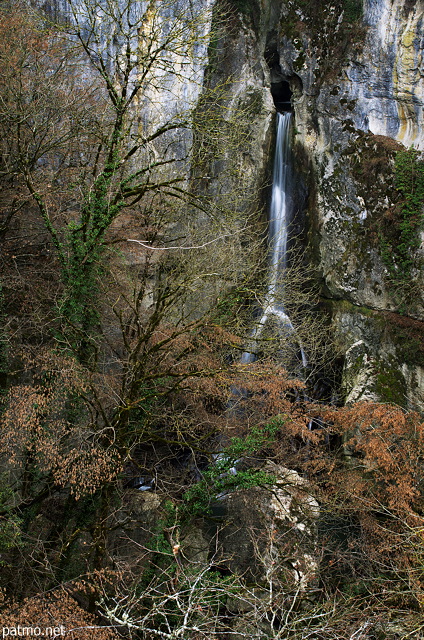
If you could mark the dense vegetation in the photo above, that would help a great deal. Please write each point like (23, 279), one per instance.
(128, 422)
(400, 238)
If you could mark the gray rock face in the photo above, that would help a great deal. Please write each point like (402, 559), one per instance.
(358, 97)
(379, 85)
(387, 80)
(383, 355)
(239, 67)
(358, 93)
(271, 535)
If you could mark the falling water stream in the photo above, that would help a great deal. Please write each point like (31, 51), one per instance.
(279, 220)
(281, 211)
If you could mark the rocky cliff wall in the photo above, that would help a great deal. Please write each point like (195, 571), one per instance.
(356, 75)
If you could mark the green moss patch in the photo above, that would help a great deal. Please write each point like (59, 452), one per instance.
(401, 259)
(390, 385)
(390, 179)
(407, 334)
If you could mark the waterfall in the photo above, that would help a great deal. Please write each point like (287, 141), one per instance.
(281, 211)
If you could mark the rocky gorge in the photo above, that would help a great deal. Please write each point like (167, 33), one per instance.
(171, 486)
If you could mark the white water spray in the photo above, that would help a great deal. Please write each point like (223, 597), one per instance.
(280, 217)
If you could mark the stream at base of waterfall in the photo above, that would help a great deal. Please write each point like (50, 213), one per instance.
(281, 211)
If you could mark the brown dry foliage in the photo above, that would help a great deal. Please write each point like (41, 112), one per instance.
(54, 609)
(388, 443)
(35, 422)
(49, 114)
(371, 497)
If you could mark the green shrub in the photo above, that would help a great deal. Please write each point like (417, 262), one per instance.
(219, 478)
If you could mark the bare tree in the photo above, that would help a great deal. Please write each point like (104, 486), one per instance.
(88, 151)
(114, 131)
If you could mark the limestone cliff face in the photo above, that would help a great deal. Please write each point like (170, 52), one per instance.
(387, 79)
(237, 65)
(356, 73)
(357, 80)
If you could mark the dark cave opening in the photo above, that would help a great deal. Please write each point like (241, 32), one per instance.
(282, 95)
